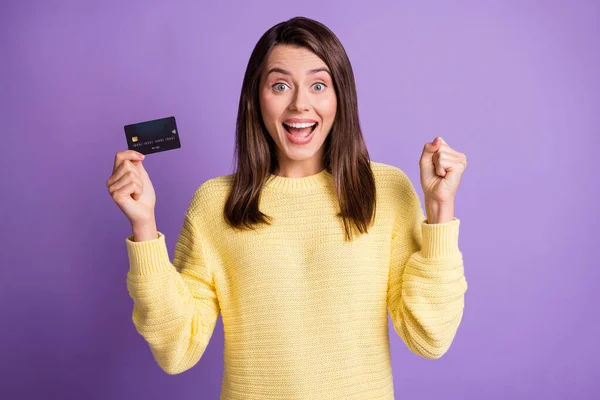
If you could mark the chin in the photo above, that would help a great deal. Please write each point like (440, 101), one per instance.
(301, 152)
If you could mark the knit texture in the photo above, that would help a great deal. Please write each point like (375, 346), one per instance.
(304, 311)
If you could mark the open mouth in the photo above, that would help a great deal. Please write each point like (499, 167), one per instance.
(301, 132)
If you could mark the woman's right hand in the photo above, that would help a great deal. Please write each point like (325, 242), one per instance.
(131, 188)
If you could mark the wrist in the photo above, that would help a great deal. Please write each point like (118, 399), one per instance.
(439, 212)
(143, 231)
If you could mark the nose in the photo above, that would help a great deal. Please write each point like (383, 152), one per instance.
(299, 101)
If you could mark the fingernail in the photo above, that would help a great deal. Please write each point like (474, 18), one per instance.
(142, 156)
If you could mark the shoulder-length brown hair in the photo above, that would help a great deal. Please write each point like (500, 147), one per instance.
(345, 156)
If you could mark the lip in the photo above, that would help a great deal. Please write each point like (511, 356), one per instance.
(300, 140)
(299, 120)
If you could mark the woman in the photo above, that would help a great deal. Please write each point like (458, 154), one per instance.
(291, 249)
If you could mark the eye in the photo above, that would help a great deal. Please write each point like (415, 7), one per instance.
(278, 84)
(321, 84)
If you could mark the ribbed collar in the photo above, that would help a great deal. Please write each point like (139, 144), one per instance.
(323, 178)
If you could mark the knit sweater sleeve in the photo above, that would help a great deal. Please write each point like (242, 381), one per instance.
(427, 285)
(175, 305)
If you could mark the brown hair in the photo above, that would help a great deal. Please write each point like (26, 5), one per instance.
(345, 156)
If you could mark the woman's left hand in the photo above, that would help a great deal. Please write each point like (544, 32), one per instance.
(441, 170)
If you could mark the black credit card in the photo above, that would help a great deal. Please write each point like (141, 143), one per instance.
(153, 136)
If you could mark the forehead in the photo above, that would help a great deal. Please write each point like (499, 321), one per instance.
(293, 58)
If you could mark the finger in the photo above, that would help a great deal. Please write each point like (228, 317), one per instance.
(439, 166)
(126, 155)
(448, 160)
(140, 167)
(129, 188)
(137, 193)
(451, 163)
(124, 181)
(430, 148)
(123, 169)
(440, 144)
(450, 151)
(453, 160)
(446, 149)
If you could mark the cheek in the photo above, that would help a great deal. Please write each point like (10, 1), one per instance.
(270, 107)
(327, 107)
(266, 109)
(270, 114)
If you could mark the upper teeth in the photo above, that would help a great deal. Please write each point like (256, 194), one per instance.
(300, 125)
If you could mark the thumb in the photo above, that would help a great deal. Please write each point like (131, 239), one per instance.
(434, 146)
(139, 165)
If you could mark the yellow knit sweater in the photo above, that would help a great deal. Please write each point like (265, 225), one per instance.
(304, 312)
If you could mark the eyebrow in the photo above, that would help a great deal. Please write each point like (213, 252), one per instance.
(310, 72)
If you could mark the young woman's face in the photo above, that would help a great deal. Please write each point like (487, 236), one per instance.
(296, 85)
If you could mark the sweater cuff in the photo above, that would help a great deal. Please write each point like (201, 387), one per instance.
(149, 256)
(440, 240)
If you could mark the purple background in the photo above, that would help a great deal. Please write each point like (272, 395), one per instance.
(514, 85)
